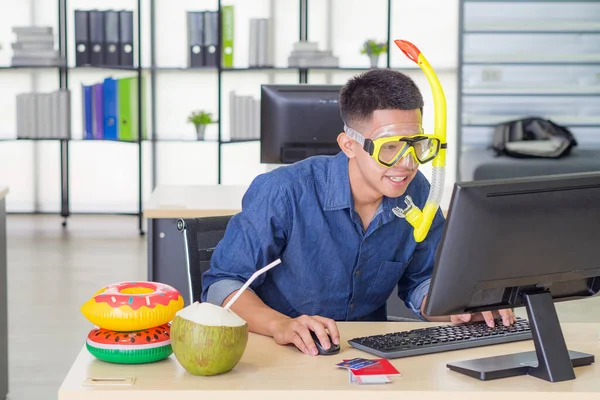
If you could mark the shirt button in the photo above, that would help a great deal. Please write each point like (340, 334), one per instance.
(358, 272)
(351, 306)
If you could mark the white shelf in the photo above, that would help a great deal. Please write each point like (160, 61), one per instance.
(559, 119)
(536, 58)
(532, 27)
(532, 90)
(182, 138)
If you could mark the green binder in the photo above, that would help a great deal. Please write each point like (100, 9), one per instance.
(128, 109)
(227, 23)
(127, 88)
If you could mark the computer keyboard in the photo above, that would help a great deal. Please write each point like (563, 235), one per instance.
(442, 338)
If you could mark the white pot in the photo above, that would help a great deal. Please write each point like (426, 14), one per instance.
(374, 60)
(200, 129)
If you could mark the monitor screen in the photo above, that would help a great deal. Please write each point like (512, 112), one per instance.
(298, 121)
(504, 238)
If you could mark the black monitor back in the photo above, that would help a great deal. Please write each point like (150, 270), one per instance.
(504, 238)
(298, 121)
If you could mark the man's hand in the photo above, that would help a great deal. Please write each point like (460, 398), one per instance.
(285, 330)
(297, 331)
(508, 317)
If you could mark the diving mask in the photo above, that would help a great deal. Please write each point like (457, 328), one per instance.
(391, 143)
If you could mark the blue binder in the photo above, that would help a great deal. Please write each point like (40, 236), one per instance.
(98, 111)
(110, 109)
(87, 112)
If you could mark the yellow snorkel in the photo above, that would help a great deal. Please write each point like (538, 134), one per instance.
(421, 220)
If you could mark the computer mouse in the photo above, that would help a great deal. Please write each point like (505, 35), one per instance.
(333, 349)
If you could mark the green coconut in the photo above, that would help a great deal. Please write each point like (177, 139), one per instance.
(208, 339)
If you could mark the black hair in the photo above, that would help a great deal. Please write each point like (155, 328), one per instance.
(378, 89)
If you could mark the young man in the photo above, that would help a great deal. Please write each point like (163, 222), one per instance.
(329, 219)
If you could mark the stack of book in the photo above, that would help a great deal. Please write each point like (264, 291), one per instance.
(260, 54)
(307, 54)
(110, 110)
(44, 115)
(34, 47)
(244, 117)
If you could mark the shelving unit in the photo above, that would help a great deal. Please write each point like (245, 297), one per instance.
(220, 71)
(149, 20)
(528, 58)
(64, 70)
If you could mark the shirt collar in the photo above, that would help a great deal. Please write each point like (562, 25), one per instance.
(339, 195)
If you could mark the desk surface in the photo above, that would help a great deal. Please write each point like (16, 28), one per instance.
(194, 201)
(3, 191)
(271, 371)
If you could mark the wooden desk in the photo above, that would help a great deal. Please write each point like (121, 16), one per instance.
(269, 371)
(3, 297)
(176, 201)
(166, 257)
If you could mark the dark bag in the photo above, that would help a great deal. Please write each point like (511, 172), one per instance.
(532, 138)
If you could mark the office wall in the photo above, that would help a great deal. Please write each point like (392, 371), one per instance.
(104, 174)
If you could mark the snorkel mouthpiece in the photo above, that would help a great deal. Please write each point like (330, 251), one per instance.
(422, 220)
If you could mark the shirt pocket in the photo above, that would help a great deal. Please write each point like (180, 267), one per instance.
(386, 280)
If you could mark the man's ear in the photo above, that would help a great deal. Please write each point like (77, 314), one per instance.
(346, 144)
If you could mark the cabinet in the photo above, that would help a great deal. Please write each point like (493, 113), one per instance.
(528, 58)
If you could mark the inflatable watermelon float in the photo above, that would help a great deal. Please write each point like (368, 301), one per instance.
(137, 347)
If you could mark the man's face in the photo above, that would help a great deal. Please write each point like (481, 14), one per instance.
(391, 182)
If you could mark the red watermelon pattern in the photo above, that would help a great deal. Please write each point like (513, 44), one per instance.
(137, 347)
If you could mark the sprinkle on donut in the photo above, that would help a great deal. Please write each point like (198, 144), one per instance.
(123, 293)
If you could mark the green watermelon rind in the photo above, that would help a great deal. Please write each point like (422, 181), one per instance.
(137, 356)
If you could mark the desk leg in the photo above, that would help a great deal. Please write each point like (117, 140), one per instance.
(166, 255)
(3, 305)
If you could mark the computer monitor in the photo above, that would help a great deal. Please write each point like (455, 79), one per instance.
(526, 242)
(298, 121)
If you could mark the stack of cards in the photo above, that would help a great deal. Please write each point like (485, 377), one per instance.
(363, 371)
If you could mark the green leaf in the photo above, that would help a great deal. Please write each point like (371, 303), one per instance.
(373, 47)
(200, 117)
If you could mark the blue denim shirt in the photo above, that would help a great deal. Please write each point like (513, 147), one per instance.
(303, 214)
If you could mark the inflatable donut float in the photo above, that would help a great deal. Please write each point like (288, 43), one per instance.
(132, 306)
(139, 347)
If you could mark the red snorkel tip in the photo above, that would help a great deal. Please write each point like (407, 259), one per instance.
(409, 49)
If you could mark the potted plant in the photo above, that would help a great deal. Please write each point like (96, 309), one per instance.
(373, 49)
(200, 119)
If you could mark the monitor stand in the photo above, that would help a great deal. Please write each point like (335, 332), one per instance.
(551, 361)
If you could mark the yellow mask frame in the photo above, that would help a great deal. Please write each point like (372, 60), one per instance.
(373, 146)
(422, 220)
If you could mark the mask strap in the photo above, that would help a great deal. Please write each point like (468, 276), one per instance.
(354, 135)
